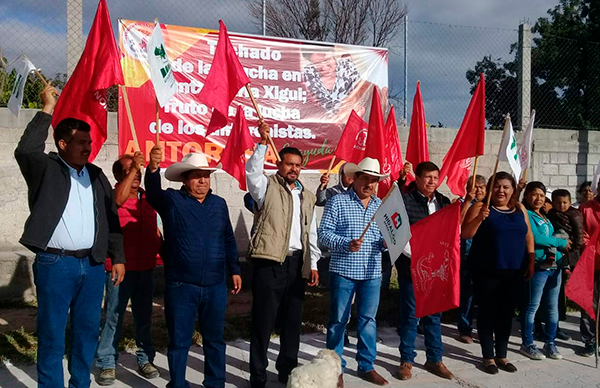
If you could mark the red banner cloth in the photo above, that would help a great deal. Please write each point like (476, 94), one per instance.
(435, 261)
(394, 154)
(84, 95)
(580, 287)
(352, 143)
(469, 142)
(225, 79)
(417, 150)
(233, 159)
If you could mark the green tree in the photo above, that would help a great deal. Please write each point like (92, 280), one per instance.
(565, 70)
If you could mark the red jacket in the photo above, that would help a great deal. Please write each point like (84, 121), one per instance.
(141, 240)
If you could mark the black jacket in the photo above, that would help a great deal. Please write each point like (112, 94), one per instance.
(416, 208)
(571, 222)
(48, 185)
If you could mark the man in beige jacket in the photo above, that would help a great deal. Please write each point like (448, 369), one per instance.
(284, 251)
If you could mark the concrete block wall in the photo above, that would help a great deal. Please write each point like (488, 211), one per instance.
(561, 159)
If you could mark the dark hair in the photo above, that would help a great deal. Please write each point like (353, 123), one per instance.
(117, 167)
(478, 178)
(531, 186)
(583, 186)
(290, 150)
(561, 193)
(425, 167)
(64, 129)
(316, 48)
(500, 176)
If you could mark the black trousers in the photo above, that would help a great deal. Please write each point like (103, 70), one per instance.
(277, 292)
(587, 325)
(497, 294)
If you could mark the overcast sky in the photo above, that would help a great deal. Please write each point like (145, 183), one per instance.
(446, 37)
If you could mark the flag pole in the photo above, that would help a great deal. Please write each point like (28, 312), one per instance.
(474, 173)
(260, 117)
(130, 117)
(489, 199)
(323, 186)
(524, 175)
(157, 124)
(362, 235)
(597, 318)
(41, 77)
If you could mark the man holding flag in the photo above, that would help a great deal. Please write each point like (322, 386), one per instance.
(420, 203)
(355, 266)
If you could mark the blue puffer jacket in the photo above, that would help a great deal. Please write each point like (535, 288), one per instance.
(543, 230)
(199, 240)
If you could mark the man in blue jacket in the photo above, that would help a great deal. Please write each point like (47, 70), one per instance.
(199, 247)
(72, 228)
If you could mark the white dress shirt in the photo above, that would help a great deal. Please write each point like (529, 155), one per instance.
(77, 225)
(257, 187)
(432, 207)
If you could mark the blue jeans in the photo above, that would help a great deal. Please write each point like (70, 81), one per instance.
(66, 283)
(465, 320)
(541, 291)
(183, 301)
(407, 324)
(137, 286)
(367, 301)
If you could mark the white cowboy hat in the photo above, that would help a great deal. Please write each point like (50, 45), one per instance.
(191, 161)
(368, 166)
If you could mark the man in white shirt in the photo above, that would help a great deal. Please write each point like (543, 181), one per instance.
(284, 251)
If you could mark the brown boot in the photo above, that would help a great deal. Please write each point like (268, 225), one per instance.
(341, 381)
(439, 369)
(405, 371)
(374, 378)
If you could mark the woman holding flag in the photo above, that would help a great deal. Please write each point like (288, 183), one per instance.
(498, 267)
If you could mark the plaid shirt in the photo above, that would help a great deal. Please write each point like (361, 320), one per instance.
(343, 220)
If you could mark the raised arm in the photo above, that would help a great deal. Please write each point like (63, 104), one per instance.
(30, 153)
(123, 188)
(154, 193)
(473, 219)
(255, 177)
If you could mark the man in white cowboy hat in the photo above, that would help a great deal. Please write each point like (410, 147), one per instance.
(355, 266)
(199, 247)
(283, 249)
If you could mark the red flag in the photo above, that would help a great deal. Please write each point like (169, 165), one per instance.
(435, 261)
(233, 158)
(469, 142)
(225, 78)
(377, 139)
(352, 143)
(84, 95)
(393, 152)
(580, 287)
(416, 149)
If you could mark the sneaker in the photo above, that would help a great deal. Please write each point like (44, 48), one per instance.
(107, 377)
(561, 335)
(552, 351)
(532, 352)
(588, 351)
(149, 371)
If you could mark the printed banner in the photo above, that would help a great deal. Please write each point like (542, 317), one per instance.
(305, 91)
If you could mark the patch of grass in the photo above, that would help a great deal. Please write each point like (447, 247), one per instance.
(18, 347)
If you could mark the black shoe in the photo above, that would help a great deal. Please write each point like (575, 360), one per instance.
(283, 378)
(588, 351)
(491, 369)
(507, 367)
(561, 335)
(346, 339)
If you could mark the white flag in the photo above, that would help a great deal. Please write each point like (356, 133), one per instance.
(525, 148)
(508, 151)
(161, 73)
(23, 66)
(596, 179)
(392, 219)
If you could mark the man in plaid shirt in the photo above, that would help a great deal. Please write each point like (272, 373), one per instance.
(355, 265)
